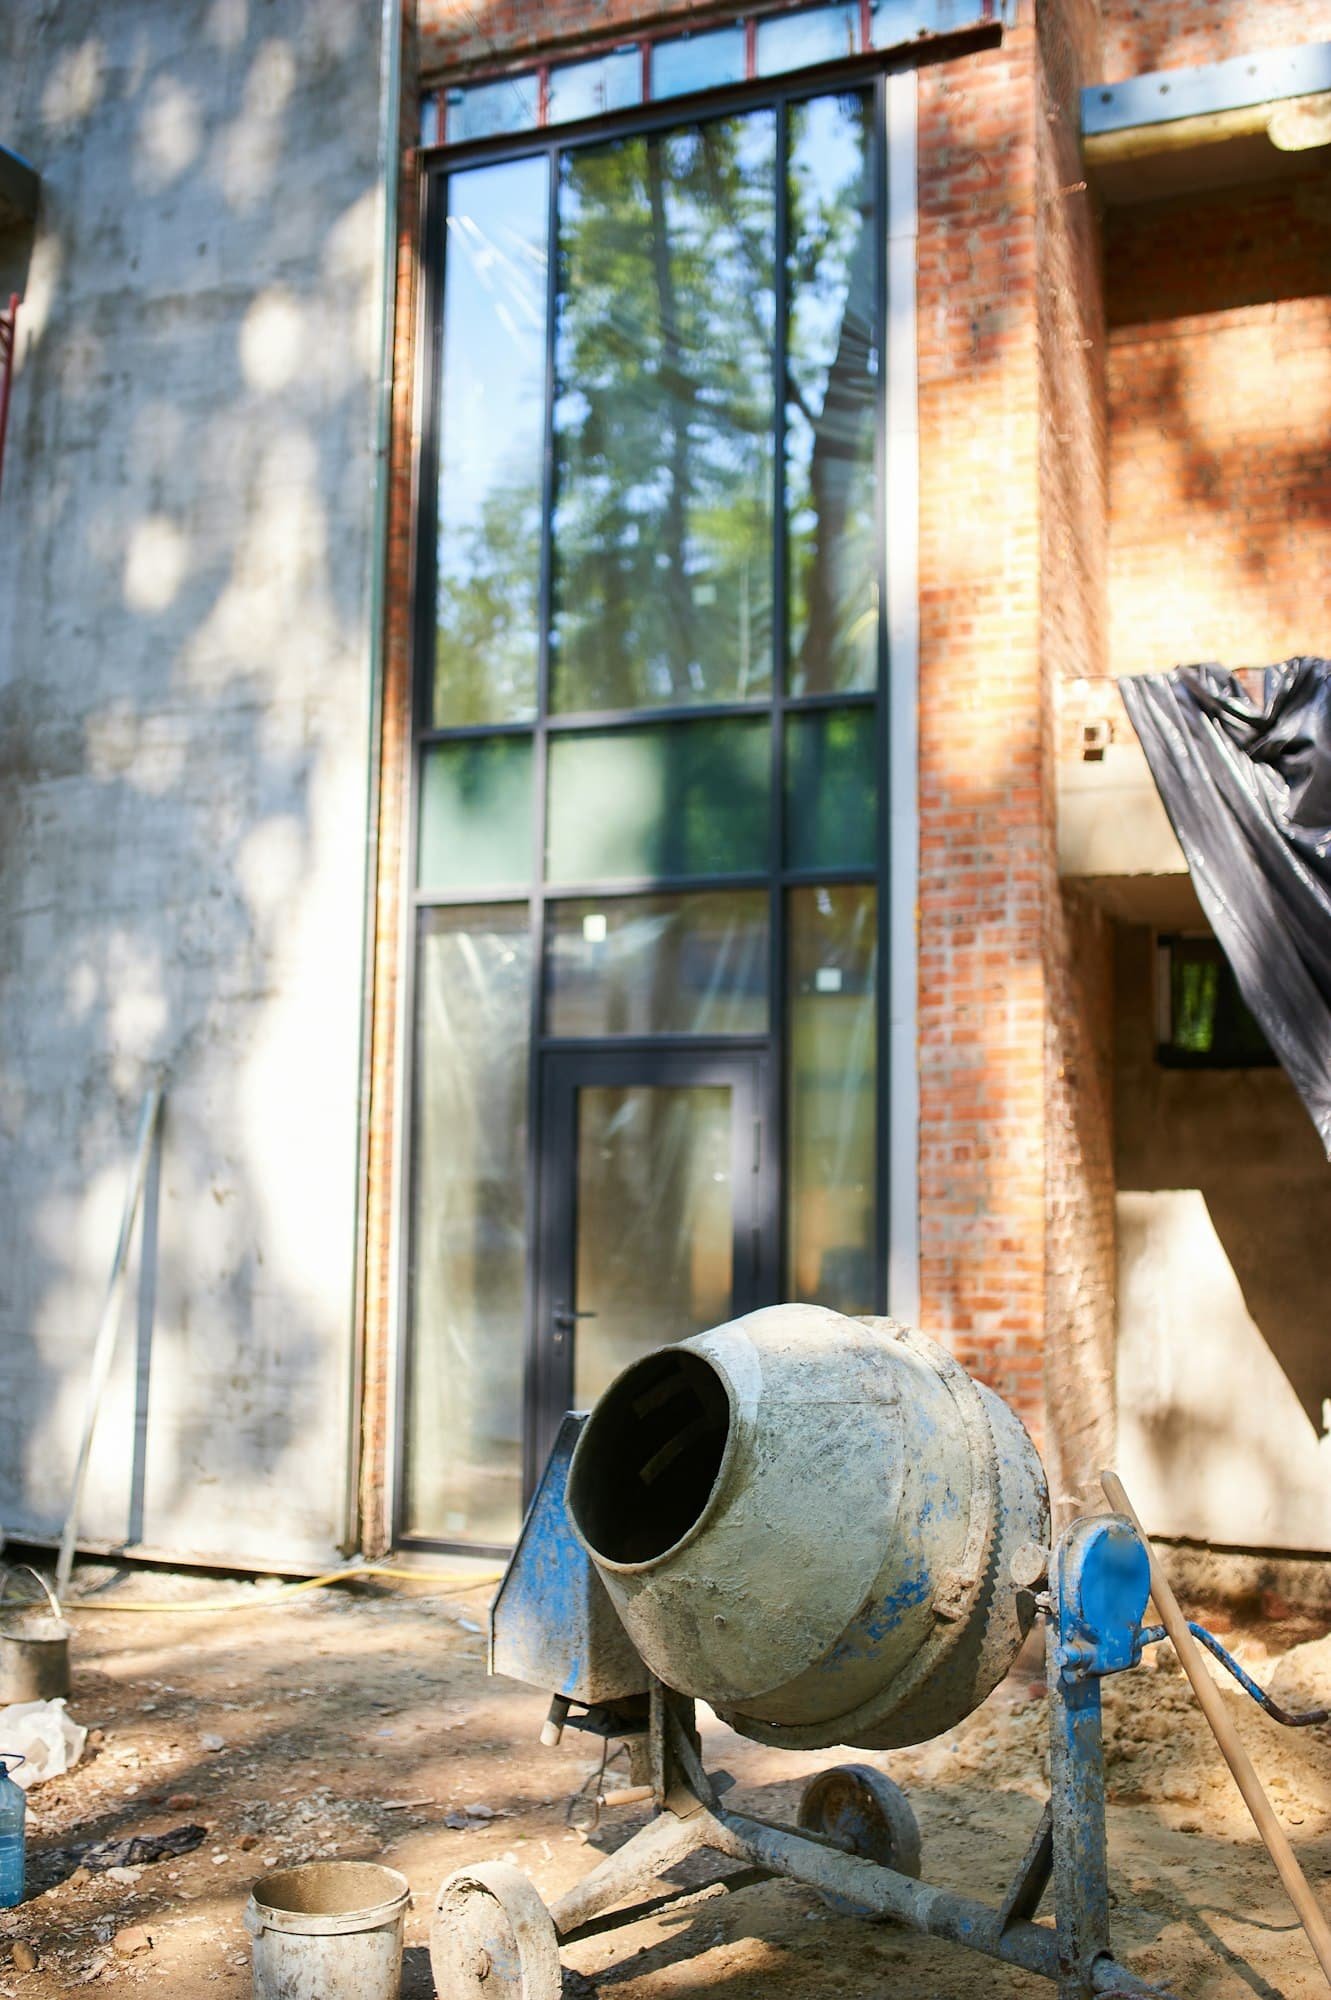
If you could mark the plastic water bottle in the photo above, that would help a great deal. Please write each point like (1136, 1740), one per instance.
(13, 1813)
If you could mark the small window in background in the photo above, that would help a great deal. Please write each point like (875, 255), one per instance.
(814, 35)
(590, 89)
(1202, 1020)
(894, 21)
(698, 62)
(510, 105)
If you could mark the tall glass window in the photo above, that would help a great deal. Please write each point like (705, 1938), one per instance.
(648, 750)
(488, 541)
(832, 397)
(663, 420)
(469, 1232)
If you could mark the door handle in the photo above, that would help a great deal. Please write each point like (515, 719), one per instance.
(565, 1319)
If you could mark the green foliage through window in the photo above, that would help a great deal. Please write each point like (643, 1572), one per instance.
(672, 800)
(664, 418)
(832, 390)
(1208, 1025)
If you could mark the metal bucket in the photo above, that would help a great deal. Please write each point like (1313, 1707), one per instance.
(34, 1647)
(808, 1521)
(328, 1930)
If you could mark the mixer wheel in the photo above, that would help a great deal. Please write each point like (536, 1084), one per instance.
(872, 1817)
(492, 1938)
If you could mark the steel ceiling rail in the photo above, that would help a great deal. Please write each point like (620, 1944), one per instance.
(1161, 97)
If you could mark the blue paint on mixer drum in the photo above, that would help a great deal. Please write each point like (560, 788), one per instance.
(830, 1533)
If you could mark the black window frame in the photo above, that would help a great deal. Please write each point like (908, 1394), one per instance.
(866, 75)
(1240, 1040)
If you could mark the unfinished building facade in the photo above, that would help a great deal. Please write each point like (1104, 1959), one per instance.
(658, 508)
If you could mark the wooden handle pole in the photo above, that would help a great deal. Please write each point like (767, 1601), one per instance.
(1306, 1906)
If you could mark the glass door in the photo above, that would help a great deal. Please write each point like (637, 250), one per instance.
(652, 1214)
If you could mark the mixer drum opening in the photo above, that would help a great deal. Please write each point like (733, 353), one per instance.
(649, 1461)
(808, 1521)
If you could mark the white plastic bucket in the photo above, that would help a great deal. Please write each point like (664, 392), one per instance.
(328, 1930)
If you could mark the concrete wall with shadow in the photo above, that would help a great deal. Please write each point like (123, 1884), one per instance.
(185, 542)
(1224, 1334)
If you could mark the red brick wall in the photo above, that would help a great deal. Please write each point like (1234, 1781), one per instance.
(1220, 426)
(983, 838)
(461, 34)
(1172, 34)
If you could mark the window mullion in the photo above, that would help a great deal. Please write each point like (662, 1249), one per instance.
(538, 1357)
(776, 1069)
(882, 305)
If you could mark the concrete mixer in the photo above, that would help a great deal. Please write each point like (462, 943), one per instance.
(826, 1530)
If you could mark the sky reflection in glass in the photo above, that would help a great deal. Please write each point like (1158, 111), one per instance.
(492, 443)
(814, 35)
(697, 62)
(832, 382)
(590, 89)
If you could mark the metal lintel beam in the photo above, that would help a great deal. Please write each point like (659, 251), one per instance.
(1161, 97)
(19, 184)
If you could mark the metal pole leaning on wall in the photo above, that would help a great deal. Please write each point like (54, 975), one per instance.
(104, 1346)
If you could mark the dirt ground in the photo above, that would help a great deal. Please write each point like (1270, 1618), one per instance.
(350, 1722)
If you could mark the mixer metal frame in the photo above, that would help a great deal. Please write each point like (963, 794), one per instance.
(493, 1937)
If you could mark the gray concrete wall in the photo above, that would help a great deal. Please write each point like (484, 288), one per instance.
(1224, 1360)
(185, 536)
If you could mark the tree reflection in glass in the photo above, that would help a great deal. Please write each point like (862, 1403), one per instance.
(492, 440)
(663, 419)
(831, 391)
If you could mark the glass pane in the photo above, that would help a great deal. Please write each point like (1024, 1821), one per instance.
(893, 21)
(674, 799)
(468, 1228)
(697, 62)
(831, 413)
(475, 830)
(655, 1254)
(831, 1173)
(831, 789)
(658, 965)
(589, 89)
(663, 419)
(816, 35)
(510, 105)
(489, 532)
(1208, 1023)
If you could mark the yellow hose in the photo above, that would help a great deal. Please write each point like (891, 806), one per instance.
(286, 1591)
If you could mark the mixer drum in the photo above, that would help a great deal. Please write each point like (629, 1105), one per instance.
(807, 1522)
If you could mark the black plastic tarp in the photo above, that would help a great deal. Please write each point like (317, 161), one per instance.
(1248, 789)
